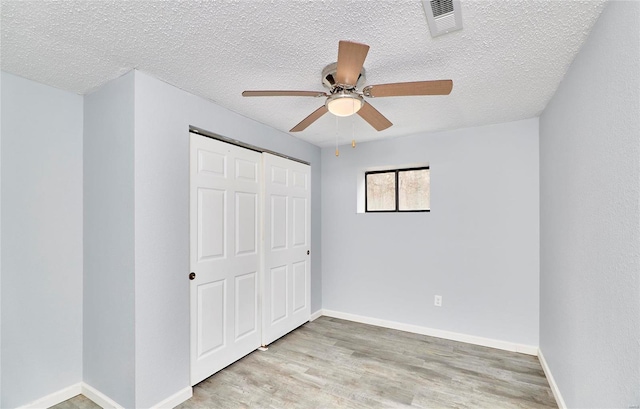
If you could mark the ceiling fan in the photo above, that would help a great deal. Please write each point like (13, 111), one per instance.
(345, 79)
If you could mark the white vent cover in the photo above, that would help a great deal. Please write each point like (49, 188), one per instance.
(443, 16)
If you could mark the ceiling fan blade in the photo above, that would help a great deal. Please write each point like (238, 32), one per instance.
(283, 94)
(315, 115)
(351, 58)
(375, 118)
(398, 89)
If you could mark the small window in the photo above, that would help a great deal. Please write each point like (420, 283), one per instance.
(398, 190)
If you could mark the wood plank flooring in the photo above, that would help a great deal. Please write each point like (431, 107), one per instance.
(78, 402)
(332, 363)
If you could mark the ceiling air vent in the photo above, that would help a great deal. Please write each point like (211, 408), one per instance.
(443, 16)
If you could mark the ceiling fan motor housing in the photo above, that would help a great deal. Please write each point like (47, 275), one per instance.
(329, 78)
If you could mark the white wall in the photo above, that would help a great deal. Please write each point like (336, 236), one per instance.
(478, 247)
(109, 337)
(41, 240)
(590, 218)
(163, 114)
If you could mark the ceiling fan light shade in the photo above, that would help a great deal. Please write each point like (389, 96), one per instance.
(344, 104)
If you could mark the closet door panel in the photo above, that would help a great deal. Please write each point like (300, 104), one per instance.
(286, 283)
(225, 217)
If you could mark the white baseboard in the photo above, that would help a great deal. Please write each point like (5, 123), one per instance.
(432, 332)
(55, 397)
(552, 381)
(175, 399)
(99, 398)
(314, 316)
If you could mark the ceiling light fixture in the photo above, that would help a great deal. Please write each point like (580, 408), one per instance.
(344, 103)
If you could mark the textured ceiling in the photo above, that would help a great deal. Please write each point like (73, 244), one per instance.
(505, 63)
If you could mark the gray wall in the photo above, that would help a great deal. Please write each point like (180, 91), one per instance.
(109, 334)
(1, 75)
(163, 115)
(0, 238)
(478, 247)
(590, 218)
(41, 240)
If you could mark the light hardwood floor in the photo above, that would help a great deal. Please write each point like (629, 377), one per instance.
(332, 363)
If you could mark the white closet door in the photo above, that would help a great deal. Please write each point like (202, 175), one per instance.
(286, 284)
(225, 195)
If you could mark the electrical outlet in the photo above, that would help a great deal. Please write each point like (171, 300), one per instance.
(437, 301)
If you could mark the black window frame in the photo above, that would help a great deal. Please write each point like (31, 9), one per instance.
(397, 201)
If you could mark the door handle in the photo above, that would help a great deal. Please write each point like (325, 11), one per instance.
(192, 276)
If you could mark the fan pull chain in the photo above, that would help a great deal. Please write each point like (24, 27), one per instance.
(353, 132)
